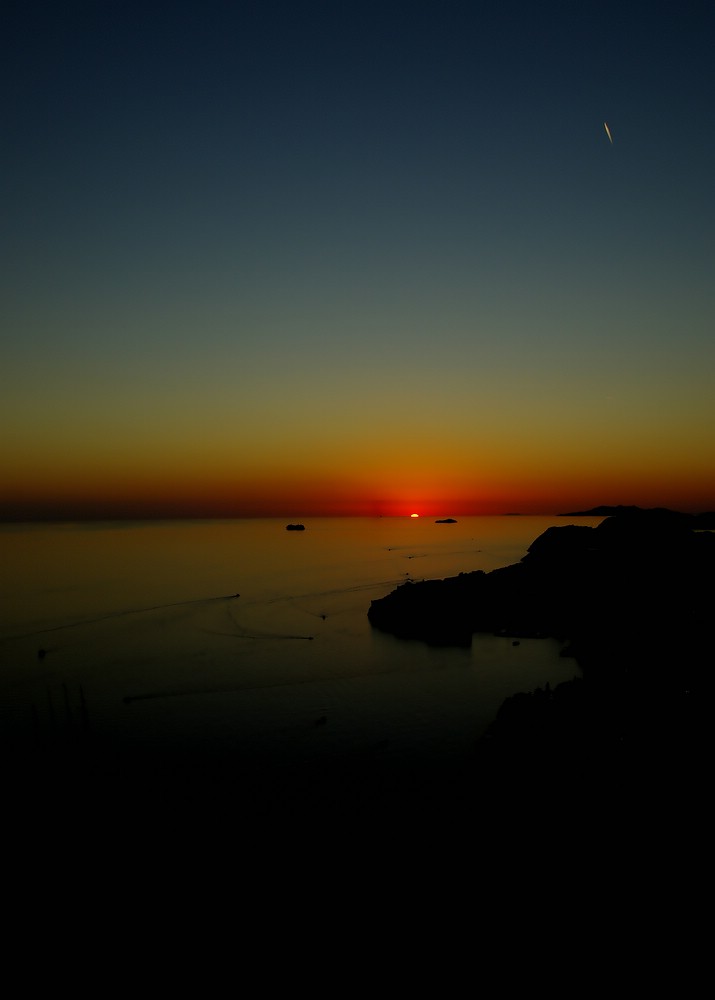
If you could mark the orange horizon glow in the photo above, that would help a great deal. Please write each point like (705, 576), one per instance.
(127, 504)
(437, 448)
(380, 477)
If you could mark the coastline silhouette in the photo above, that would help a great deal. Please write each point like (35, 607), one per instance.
(633, 600)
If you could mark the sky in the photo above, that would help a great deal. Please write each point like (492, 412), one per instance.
(306, 258)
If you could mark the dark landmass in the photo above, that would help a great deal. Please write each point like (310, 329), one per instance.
(446, 520)
(703, 521)
(606, 510)
(633, 599)
(295, 527)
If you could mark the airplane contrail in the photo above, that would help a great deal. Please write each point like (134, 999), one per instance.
(608, 132)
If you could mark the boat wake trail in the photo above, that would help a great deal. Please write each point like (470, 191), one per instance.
(121, 614)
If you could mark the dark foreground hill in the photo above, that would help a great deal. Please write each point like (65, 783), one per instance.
(634, 600)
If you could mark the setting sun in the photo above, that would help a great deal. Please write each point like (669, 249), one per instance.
(414, 515)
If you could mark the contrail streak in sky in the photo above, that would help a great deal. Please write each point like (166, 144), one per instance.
(608, 132)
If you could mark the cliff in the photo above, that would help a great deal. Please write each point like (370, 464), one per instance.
(634, 600)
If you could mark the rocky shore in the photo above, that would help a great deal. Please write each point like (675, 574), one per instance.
(633, 601)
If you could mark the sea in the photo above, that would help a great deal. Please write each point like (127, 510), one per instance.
(239, 639)
(241, 650)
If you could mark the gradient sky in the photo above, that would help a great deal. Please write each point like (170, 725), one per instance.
(363, 258)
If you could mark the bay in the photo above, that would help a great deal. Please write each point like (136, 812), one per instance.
(246, 645)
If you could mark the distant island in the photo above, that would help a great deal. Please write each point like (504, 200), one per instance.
(704, 520)
(446, 520)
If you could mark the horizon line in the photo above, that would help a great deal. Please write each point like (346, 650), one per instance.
(80, 517)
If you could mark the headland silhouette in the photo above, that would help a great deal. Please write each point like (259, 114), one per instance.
(632, 600)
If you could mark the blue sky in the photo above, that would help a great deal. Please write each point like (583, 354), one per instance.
(305, 221)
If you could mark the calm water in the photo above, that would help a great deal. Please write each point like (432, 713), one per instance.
(136, 629)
